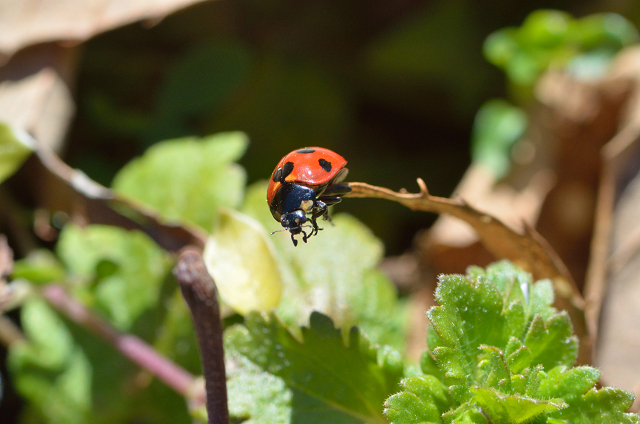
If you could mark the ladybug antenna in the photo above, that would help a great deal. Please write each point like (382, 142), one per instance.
(279, 231)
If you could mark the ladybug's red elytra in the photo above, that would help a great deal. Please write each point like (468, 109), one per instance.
(306, 182)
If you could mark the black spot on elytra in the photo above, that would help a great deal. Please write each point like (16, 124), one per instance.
(326, 165)
(306, 150)
(277, 176)
(287, 168)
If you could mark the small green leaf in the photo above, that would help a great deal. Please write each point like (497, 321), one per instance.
(423, 400)
(121, 271)
(15, 147)
(48, 368)
(606, 406)
(40, 267)
(512, 409)
(551, 341)
(496, 128)
(241, 259)
(568, 383)
(187, 179)
(467, 413)
(353, 378)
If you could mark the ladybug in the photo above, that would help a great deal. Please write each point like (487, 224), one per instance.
(304, 184)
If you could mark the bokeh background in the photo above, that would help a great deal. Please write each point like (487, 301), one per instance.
(393, 86)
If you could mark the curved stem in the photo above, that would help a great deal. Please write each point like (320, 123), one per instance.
(199, 291)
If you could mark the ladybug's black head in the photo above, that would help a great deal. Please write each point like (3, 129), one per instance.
(293, 221)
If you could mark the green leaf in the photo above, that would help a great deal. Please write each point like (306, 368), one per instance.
(40, 267)
(606, 406)
(467, 413)
(353, 377)
(242, 261)
(48, 368)
(334, 273)
(256, 396)
(565, 383)
(187, 179)
(551, 341)
(471, 314)
(423, 400)
(496, 128)
(15, 147)
(120, 271)
(512, 409)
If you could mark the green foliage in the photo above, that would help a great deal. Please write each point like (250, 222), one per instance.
(334, 273)
(497, 126)
(15, 147)
(241, 259)
(554, 39)
(49, 370)
(118, 271)
(344, 374)
(503, 354)
(187, 180)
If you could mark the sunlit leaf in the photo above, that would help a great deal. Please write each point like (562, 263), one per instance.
(121, 271)
(512, 409)
(241, 259)
(15, 147)
(353, 377)
(187, 179)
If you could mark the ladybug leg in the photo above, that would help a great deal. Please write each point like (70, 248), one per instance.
(295, 242)
(336, 190)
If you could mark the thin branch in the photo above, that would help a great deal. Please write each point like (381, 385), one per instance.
(77, 193)
(527, 249)
(137, 350)
(199, 291)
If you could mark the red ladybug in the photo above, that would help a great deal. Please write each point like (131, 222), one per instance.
(306, 182)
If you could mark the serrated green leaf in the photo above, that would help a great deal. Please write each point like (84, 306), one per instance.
(467, 413)
(565, 383)
(187, 179)
(423, 400)
(606, 406)
(512, 409)
(48, 368)
(452, 362)
(334, 273)
(351, 378)
(551, 342)
(15, 147)
(495, 372)
(472, 314)
(257, 397)
(120, 271)
(518, 356)
(242, 261)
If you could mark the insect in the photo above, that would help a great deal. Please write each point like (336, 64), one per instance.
(302, 187)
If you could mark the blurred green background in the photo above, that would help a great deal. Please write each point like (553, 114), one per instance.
(393, 86)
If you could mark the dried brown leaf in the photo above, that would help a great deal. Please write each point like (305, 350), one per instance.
(27, 22)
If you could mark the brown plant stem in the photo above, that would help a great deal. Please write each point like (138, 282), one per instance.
(199, 291)
(527, 249)
(138, 351)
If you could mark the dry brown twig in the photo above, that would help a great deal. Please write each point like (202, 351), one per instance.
(528, 249)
